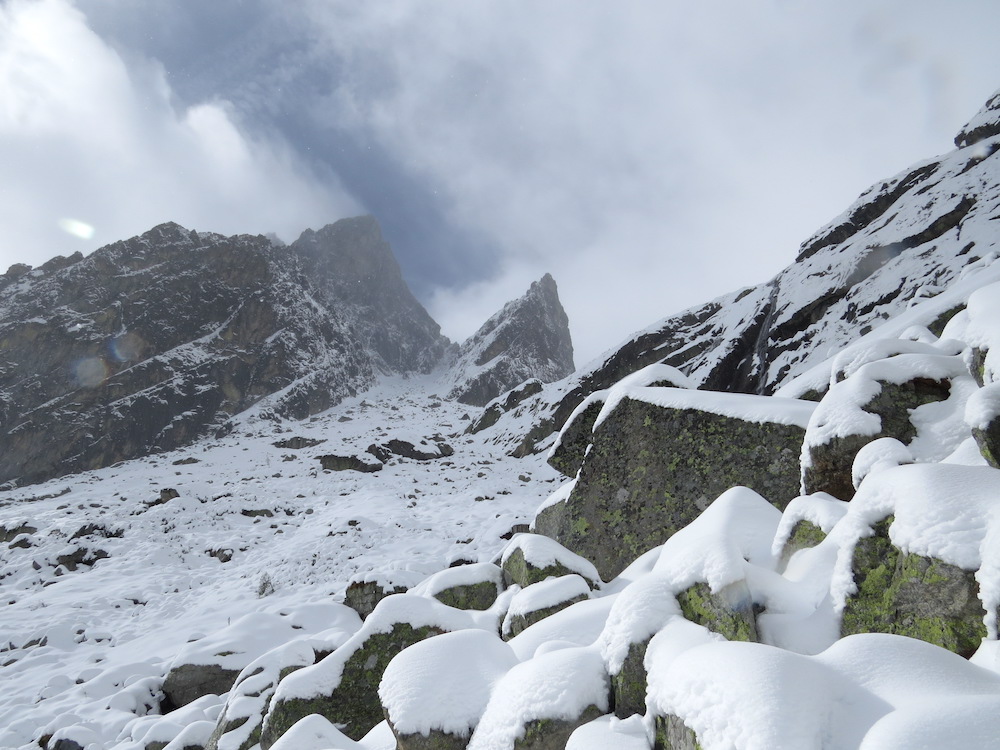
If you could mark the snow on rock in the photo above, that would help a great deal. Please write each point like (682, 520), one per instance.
(473, 586)
(551, 694)
(314, 732)
(530, 558)
(543, 599)
(578, 625)
(879, 454)
(443, 684)
(610, 732)
(820, 509)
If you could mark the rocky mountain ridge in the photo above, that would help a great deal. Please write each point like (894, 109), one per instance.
(153, 341)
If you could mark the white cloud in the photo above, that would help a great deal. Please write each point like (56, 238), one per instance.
(87, 139)
(650, 155)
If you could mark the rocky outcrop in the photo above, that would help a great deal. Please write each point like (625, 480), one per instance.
(528, 338)
(153, 341)
(656, 464)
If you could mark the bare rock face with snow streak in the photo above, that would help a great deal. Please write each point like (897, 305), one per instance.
(151, 342)
(528, 338)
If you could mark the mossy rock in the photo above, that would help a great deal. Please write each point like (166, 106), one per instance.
(520, 623)
(524, 573)
(830, 464)
(478, 596)
(553, 734)
(670, 733)
(551, 520)
(629, 684)
(988, 440)
(911, 595)
(353, 705)
(652, 470)
(728, 612)
(362, 596)
(577, 434)
(805, 535)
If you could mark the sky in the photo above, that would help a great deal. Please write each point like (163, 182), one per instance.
(650, 155)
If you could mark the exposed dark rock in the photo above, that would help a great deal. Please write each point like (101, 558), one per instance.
(298, 443)
(829, 465)
(805, 534)
(349, 463)
(503, 404)
(576, 436)
(673, 734)
(362, 596)
(528, 339)
(985, 124)
(729, 612)
(652, 470)
(188, 682)
(212, 325)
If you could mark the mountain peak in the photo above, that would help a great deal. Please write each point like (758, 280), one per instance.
(528, 338)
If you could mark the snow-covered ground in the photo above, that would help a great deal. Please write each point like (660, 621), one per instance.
(105, 633)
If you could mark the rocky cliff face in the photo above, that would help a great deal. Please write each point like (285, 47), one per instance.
(150, 342)
(904, 239)
(528, 338)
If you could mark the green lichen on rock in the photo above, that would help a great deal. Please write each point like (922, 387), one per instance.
(805, 534)
(524, 573)
(652, 470)
(729, 612)
(988, 440)
(552, 734)
(478, 596)
(829, 466)
(521, 622)
(911, 595)
(567, 456)
(629, 684)
(670, 733)
(353, 704)
(550, 520)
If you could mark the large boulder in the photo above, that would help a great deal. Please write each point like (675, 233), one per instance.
(530, 558)
(435, 692)
(661, 455)
(982, 413)
(541, 600)
(343, 687)
(912, 595)
(882, 399)
(473, 586)
(539, 702)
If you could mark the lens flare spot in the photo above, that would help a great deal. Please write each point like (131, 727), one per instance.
(76, 228)
(90, 372)
(128, 347)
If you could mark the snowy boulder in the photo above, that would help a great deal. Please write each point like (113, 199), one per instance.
(918, 399)
(539, 702)
(805, 523)
(367, 589)
(211, 665)
(541, 600)
(530, 558)
(913, 595)
(313, 732)
(343, 687)
(910, 547)
(982, 414)
(570, 447)
(661, 455)
(609, 732)
(473, 586)
(435, 692)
